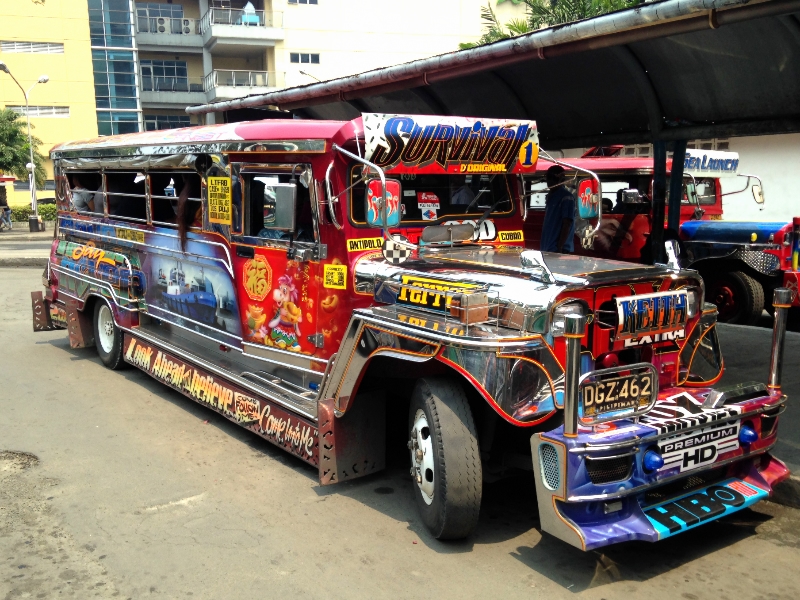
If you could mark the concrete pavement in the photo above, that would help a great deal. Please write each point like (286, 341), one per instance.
(22, 248)
(114, 486)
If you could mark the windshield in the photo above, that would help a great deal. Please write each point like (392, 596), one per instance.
(428, 199)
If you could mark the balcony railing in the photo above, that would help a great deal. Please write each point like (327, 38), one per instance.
(240, 17)
(227, 78)
(164, 25)
(171, 84)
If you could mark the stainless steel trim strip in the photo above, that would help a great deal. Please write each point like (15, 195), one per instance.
(221, 372)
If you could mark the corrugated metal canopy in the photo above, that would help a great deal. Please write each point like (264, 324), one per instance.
(679, 69)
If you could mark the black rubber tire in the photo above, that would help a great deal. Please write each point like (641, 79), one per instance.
(458, 477)
(113, 360)
(747, 302)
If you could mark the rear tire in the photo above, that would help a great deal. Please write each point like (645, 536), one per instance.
(445, 458)
(739, 297)
(107, 336)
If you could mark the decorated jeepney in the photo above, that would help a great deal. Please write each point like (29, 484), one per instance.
(342, 287)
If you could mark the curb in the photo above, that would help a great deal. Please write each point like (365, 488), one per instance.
(787, 492)
(24, 261)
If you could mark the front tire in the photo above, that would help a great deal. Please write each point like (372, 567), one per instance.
(445, 458)
(107, 336)
(739, 297)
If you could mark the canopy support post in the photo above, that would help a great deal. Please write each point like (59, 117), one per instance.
(676, 186)
(659, 199)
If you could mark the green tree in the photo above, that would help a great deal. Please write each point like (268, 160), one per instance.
(14, 150)
(543, 13)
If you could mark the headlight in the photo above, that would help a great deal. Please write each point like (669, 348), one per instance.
(560, 314)
(694, 301)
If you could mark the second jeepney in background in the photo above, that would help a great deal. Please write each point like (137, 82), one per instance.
(741, 262)
(340, 288)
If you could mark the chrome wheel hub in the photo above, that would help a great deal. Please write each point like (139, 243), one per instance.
(422, 462)
(105, 328)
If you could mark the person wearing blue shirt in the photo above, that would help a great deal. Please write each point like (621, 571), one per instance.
(558, 228)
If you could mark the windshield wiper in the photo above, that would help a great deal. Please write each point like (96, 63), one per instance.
(486, 214)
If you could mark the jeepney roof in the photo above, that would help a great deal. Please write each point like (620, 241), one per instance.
(606, 163)
(247, 131)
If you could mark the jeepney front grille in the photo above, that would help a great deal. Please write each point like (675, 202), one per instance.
(606, 470)
(677, 488)
(768, 264)
(548, 459)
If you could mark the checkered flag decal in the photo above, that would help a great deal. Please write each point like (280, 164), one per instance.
(395, 253)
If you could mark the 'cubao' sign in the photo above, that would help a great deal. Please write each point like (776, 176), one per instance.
(456, 145)
(708, 162)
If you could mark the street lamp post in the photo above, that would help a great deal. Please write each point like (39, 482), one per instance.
(33, 219)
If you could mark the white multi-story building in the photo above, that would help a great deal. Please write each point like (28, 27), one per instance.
(195, 51)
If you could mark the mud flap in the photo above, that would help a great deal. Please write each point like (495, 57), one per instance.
(550, 472)
(41, 313)
(79, 326)
(354, 445)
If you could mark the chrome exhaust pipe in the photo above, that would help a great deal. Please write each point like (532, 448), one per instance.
(781, 300)
(574, 329)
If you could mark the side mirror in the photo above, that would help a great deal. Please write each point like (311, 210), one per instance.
(280, 200)
(588, 198)
(691, 193)
(758, 194)
(377, 214)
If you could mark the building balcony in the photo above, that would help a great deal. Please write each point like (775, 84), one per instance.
(154, 33)
(226, 84)
(171, 92)
(225, 29)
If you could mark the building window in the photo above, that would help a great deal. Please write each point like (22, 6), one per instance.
(165, 76)
(58, 112)
(300, 57)
(302, 1)
(115, 122)
(153, 122)
(154, 9)
(25, 186)
(31, 48)
(110, 23)
(114, 79)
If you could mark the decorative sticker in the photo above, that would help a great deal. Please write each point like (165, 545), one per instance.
(335, 276)
(429, 214)
(130, 235)
(427, 200)
(361, 244)
(257, 278)
(511, 236)
(220, 200)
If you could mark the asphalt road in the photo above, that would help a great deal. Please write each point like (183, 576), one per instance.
(113, 486)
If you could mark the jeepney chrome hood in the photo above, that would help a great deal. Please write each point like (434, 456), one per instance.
(525, 295)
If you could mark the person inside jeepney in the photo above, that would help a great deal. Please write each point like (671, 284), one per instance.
(460, 192)
(558, 228)
(83, 198)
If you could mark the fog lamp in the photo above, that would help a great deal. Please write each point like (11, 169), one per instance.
(747, 435)
(560, 316)
(652, 461)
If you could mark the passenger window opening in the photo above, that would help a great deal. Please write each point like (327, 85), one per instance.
(87, 195)
(126, 196)
(268, 213)
(168, 190)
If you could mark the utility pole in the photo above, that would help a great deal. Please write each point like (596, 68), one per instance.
(34, 222)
